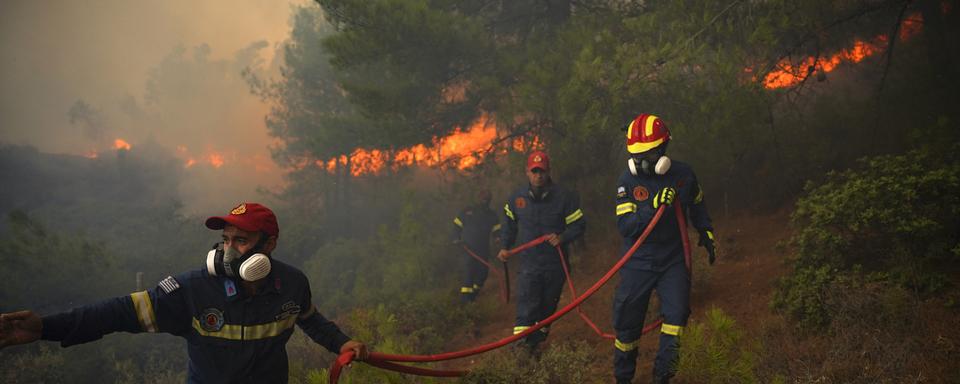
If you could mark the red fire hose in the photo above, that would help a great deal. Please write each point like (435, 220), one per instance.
(384, 360)
(649, 327)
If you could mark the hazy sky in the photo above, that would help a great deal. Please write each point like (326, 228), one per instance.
(161, 70)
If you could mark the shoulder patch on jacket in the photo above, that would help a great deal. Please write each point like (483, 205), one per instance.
(169, 284)
(621, 191)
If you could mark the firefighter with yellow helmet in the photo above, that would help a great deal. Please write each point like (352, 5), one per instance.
(651, 181)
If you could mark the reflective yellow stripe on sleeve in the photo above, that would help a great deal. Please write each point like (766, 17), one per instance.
(671, 329)
(710, 235)
(506, 208)
(626, 347)
(625, 208)
(457, 222)
(144, 309)
(576, 215)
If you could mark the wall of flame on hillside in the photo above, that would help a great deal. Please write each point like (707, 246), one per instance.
(789, 73)
(463, 149)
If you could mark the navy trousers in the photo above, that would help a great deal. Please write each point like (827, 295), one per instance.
(630, 308)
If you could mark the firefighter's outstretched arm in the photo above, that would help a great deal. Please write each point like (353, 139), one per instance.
(19, 328)
(146, 311)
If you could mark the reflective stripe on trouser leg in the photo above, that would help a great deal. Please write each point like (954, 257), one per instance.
(673, 288)
(629, 309)
(538, 293)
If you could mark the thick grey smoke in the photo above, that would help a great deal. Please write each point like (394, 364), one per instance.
(79, 75)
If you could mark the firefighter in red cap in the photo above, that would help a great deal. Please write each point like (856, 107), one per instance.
(650, 182)
(539, 208)
(236, 312)
(472, 229)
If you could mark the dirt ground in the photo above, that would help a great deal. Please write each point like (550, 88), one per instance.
(740, 283)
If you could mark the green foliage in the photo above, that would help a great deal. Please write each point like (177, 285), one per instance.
(895, 219)
(410, 253)
(718, 351)
(46, 261)
(40, 366)
(559, 363)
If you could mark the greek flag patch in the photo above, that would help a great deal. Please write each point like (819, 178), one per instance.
(169, 284)
(621, 191)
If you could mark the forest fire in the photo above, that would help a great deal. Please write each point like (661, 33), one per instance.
(789, 73)
(121, 144)
(461, 150)
(212, 158)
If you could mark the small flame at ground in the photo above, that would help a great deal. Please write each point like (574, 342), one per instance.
(121, 144)
(789, 73)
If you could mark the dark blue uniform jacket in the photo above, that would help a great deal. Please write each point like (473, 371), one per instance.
(527, 217)
(635, 194)
(474, 225)
(231, 337)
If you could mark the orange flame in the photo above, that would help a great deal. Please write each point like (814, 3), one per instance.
(121, 144)
(461, 149)
(789, 74)
(215, 159)
(190, 162)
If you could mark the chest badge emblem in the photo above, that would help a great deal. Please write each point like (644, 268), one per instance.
(520, 203)
(211, 320)
(640, 193)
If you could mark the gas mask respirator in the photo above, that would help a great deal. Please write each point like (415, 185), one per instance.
(653, 162)
(249, 266)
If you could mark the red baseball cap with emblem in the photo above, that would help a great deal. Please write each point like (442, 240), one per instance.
(250, 217)
(538, 159)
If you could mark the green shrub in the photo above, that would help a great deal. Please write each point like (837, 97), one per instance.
(896, 219)
(717, 351)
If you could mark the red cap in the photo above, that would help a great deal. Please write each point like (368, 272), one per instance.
(250, 217)
(538, 159)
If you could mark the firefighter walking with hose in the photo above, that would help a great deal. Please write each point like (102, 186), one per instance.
(651, 181)
(537, 209)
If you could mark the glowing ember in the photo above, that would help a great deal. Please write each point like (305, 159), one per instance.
(190, 162)
(789, 73)
(215, 159)
(121, 144)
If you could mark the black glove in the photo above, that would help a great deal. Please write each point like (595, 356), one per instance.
(707, 241)
(664, 197)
